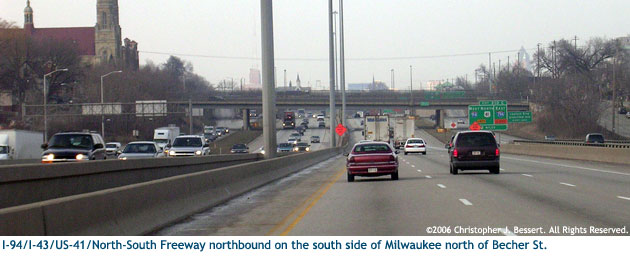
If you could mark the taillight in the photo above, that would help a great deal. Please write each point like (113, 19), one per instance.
(422, 146)
(408, 146)
(496, 152)
(454, 152)
(351, 159)
(392, 158)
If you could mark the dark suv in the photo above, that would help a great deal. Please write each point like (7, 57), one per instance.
(474, 150)
(74, 147)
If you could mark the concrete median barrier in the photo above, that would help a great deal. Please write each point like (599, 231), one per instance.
(144, 207)
(599, 154)
(23, 184)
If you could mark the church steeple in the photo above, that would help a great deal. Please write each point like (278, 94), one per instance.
(108, 41)
(28, 16)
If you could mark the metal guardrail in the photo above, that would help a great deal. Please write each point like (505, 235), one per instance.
(579, 143)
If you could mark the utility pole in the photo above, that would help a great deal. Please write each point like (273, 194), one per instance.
(331, 56)
(490, 72)
(268, 75)
(614, 93)
(411, 87)
(285, 78)
(190, 117)
(508, 65)
(342, 58)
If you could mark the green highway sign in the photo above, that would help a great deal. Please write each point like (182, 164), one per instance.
(494, 127)
(493, 102)
(424, 103)
(520, 117)
(388, 111)
(490, 115)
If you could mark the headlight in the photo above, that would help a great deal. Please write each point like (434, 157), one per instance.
(171, 153)
(295, 149)
(308, 149)
(80, 157)
(227, 130)
(123, 158)
(198, 152)
(262, 152)
(49, 157)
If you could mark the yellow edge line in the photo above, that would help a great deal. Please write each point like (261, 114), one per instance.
(279, 225)
(305, 211)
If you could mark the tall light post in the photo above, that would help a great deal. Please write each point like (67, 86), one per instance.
(46, 101)
(102, 102)
(342, 67)
(393, 79)
(335, 48)
(268, 78)
(331, 56)
(411, 87)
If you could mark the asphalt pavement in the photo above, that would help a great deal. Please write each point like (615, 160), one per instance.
(531, 196)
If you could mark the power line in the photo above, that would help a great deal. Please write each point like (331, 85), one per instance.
(325, 59)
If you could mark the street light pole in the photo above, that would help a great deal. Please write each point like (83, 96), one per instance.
(268, 76)
(331, 56)
(393, 79)
(411, 87)
(102, 102)
(46, 101)
(342, 66)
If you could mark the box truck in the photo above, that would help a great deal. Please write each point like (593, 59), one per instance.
(20, 144)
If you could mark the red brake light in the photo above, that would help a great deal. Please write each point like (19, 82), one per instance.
(351, 159)
(408, 146)
(496, 152)
(454, 152)
(392, 158)
(422, 146)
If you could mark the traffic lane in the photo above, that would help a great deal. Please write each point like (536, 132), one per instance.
(381, 206)
(525, 201)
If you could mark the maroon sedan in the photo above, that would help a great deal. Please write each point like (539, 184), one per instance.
(372, 159)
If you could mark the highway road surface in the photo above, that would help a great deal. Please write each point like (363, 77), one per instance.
(531, 196)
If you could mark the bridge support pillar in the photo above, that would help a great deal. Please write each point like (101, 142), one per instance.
(439, 118)
(245, 119)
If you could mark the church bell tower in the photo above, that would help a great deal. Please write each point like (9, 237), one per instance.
(108, 34)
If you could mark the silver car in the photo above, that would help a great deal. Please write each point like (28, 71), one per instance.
(189, 145)
(141, 149)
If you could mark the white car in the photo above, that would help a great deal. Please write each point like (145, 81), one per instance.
(415, 145)
(628, 115)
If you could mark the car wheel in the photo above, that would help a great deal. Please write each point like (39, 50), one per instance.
(424, 153)
(350, 177)
(454, 170)
(495, 170)
(395, 176)
(405, 153)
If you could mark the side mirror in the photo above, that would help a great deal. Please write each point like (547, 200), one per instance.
(119, 152)
(98, 146)
(45, 146)
(397, 152)
(168, 145)
(346, 154)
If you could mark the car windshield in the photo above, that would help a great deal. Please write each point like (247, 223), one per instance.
(596, 137)
(372, 148)
(415, 142)
(140, 148)
(81, 141)
(187, 142)
(110, 145)
(302, 144)
(315, 137)
(285, 145)
(239, 146)
(4, 150)
(475, 140)
(295, 135)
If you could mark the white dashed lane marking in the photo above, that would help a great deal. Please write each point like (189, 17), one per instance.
(428, 177)
(419, 170)
(465, 202)
(527, 175)
(624, 198)
(567, 184)
(413, 166)
(441, 186)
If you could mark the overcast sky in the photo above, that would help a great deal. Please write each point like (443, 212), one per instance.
(373, 29)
